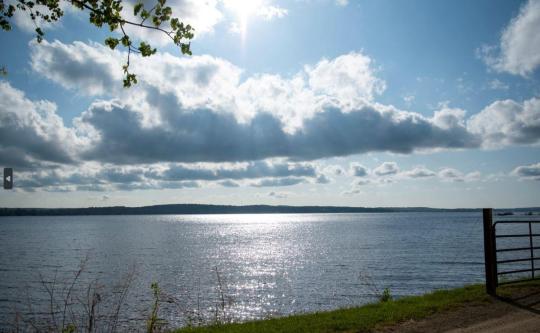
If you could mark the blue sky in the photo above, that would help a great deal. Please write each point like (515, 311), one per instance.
(314, 102)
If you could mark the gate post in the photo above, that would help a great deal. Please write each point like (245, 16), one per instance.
(489, 252)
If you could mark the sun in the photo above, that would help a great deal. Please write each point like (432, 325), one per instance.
(244, 10)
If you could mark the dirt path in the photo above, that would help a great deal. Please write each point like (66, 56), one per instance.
(519, 321)
(518, 311)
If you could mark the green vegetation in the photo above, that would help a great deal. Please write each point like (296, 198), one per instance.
(360, 319)
(111, 14)
(385, 296)
(154, 324)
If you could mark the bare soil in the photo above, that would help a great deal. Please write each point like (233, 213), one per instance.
(516, 311)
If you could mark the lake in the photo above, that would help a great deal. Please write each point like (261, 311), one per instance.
(253, 266)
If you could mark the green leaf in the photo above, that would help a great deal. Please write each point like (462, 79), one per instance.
(174, 23)
(125, 41)
(137, 8)
(111, 42)
(146, 50)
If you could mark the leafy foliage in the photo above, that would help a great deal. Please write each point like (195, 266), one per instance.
(385, 296)
(108, 13)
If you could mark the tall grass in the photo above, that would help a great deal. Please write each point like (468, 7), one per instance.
(75, 304)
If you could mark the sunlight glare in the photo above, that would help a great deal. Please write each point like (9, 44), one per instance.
(244, 10)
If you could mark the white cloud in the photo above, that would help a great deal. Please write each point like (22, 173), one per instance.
(23, 21)
(229, 183)
(362, 182)
(448, 117)
(347, 81)
(278, 182)
(278, 195)
(334, 170)
(31, 131)
(497, 84)
(508, 122)
(519, 49)
(453, 175)
(90, 69)
(198, 109)
(271, 12)
(342, 3)
(262, 8)
(349, 78)
(358, 170)
(386, 169)
(90, 176)
(322, 179)
(409, 99)
(528, 172)
(202, 15)
(419, 172)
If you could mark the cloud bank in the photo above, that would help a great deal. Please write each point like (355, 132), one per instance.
(174, 114)
(202, 109)
(519, 49)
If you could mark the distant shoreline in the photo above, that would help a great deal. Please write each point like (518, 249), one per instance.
(201, 209)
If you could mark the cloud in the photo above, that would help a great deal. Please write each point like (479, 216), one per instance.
(409, 99)
(229, 183)
(349, 78)
(203, 135)
(334, 170)
(262, 8)
(419, 172)
(451, 174)
(519, 49)
(203, 16)
(95, 70)
(103, 177)
(531, 171)
(448, 118)
(278, 195)
(200, 109)
(271, 12)
(90, 69)
(322, 179)
(497, 84)
(389, 172)
(250, 170)
(358, 170)
(324, 111)
(508, 122)
(277, 182)
(23, 20)
(31, 132)
(386, 169)
(362, 182)
(342, 3)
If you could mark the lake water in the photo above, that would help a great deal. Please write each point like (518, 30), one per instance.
(268, 265)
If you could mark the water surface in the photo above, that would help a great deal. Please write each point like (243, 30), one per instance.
(273, 264)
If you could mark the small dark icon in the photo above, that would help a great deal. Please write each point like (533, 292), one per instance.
(8, 178)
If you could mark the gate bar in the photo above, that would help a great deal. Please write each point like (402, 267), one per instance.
(516, 260)
(518, 249)
(532, 251)
(489, 252)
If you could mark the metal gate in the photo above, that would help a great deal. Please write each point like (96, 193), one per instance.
(526, 245)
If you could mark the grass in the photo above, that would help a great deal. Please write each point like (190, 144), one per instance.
(359, 319)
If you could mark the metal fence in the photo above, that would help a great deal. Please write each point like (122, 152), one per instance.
(491, 251)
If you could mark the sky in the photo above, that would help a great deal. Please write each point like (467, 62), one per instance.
(309, 102)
